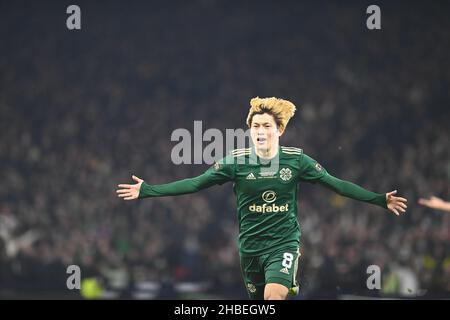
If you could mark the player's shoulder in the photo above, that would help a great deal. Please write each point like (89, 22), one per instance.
(291, 152)
(235, 156)
(241, 152)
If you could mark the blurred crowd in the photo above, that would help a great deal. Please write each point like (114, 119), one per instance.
(81, 111)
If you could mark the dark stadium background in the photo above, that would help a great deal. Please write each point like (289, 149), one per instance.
(80, 111)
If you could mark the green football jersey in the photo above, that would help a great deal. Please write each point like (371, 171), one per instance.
(266, 194)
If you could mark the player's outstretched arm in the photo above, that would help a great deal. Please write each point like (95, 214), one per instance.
(143, 190)
(348, 189)
(435, 203)
(130, 191)
(217, 174)
(311, 170)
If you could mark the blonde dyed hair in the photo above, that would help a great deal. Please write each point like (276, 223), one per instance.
(282, 110)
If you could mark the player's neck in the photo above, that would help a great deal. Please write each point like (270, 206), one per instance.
(267, 153)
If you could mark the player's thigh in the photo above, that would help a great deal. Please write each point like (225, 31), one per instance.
(254, 278)
(281, 267)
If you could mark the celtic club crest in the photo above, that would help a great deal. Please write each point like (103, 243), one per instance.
(285, 174)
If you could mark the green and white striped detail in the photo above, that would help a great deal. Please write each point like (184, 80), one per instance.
(293, 291)
(291, 150)
(241, 152)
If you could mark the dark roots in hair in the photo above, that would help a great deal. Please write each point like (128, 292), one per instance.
(276, 116)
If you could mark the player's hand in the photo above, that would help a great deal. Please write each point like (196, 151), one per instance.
(396, 204)
(130, 191)
(434, 203)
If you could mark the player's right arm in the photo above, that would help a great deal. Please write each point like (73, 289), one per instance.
(219, 173)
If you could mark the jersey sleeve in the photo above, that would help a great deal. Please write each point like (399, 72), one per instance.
(353, 191)
(222, 171)
(310, 169)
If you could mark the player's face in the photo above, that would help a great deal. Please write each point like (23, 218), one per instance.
(264, 132)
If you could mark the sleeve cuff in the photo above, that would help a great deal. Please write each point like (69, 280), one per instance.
(145, 190)
(382, 201)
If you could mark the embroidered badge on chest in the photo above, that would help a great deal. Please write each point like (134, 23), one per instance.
(285, 174)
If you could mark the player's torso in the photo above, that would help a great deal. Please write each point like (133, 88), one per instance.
(267, 201)
(267, 188)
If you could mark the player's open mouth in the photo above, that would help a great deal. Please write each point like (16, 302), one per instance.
(261, 140)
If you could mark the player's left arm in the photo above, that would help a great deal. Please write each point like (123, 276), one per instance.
(351, 190)
(312, 171)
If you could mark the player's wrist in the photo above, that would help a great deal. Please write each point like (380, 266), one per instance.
(144, 190)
